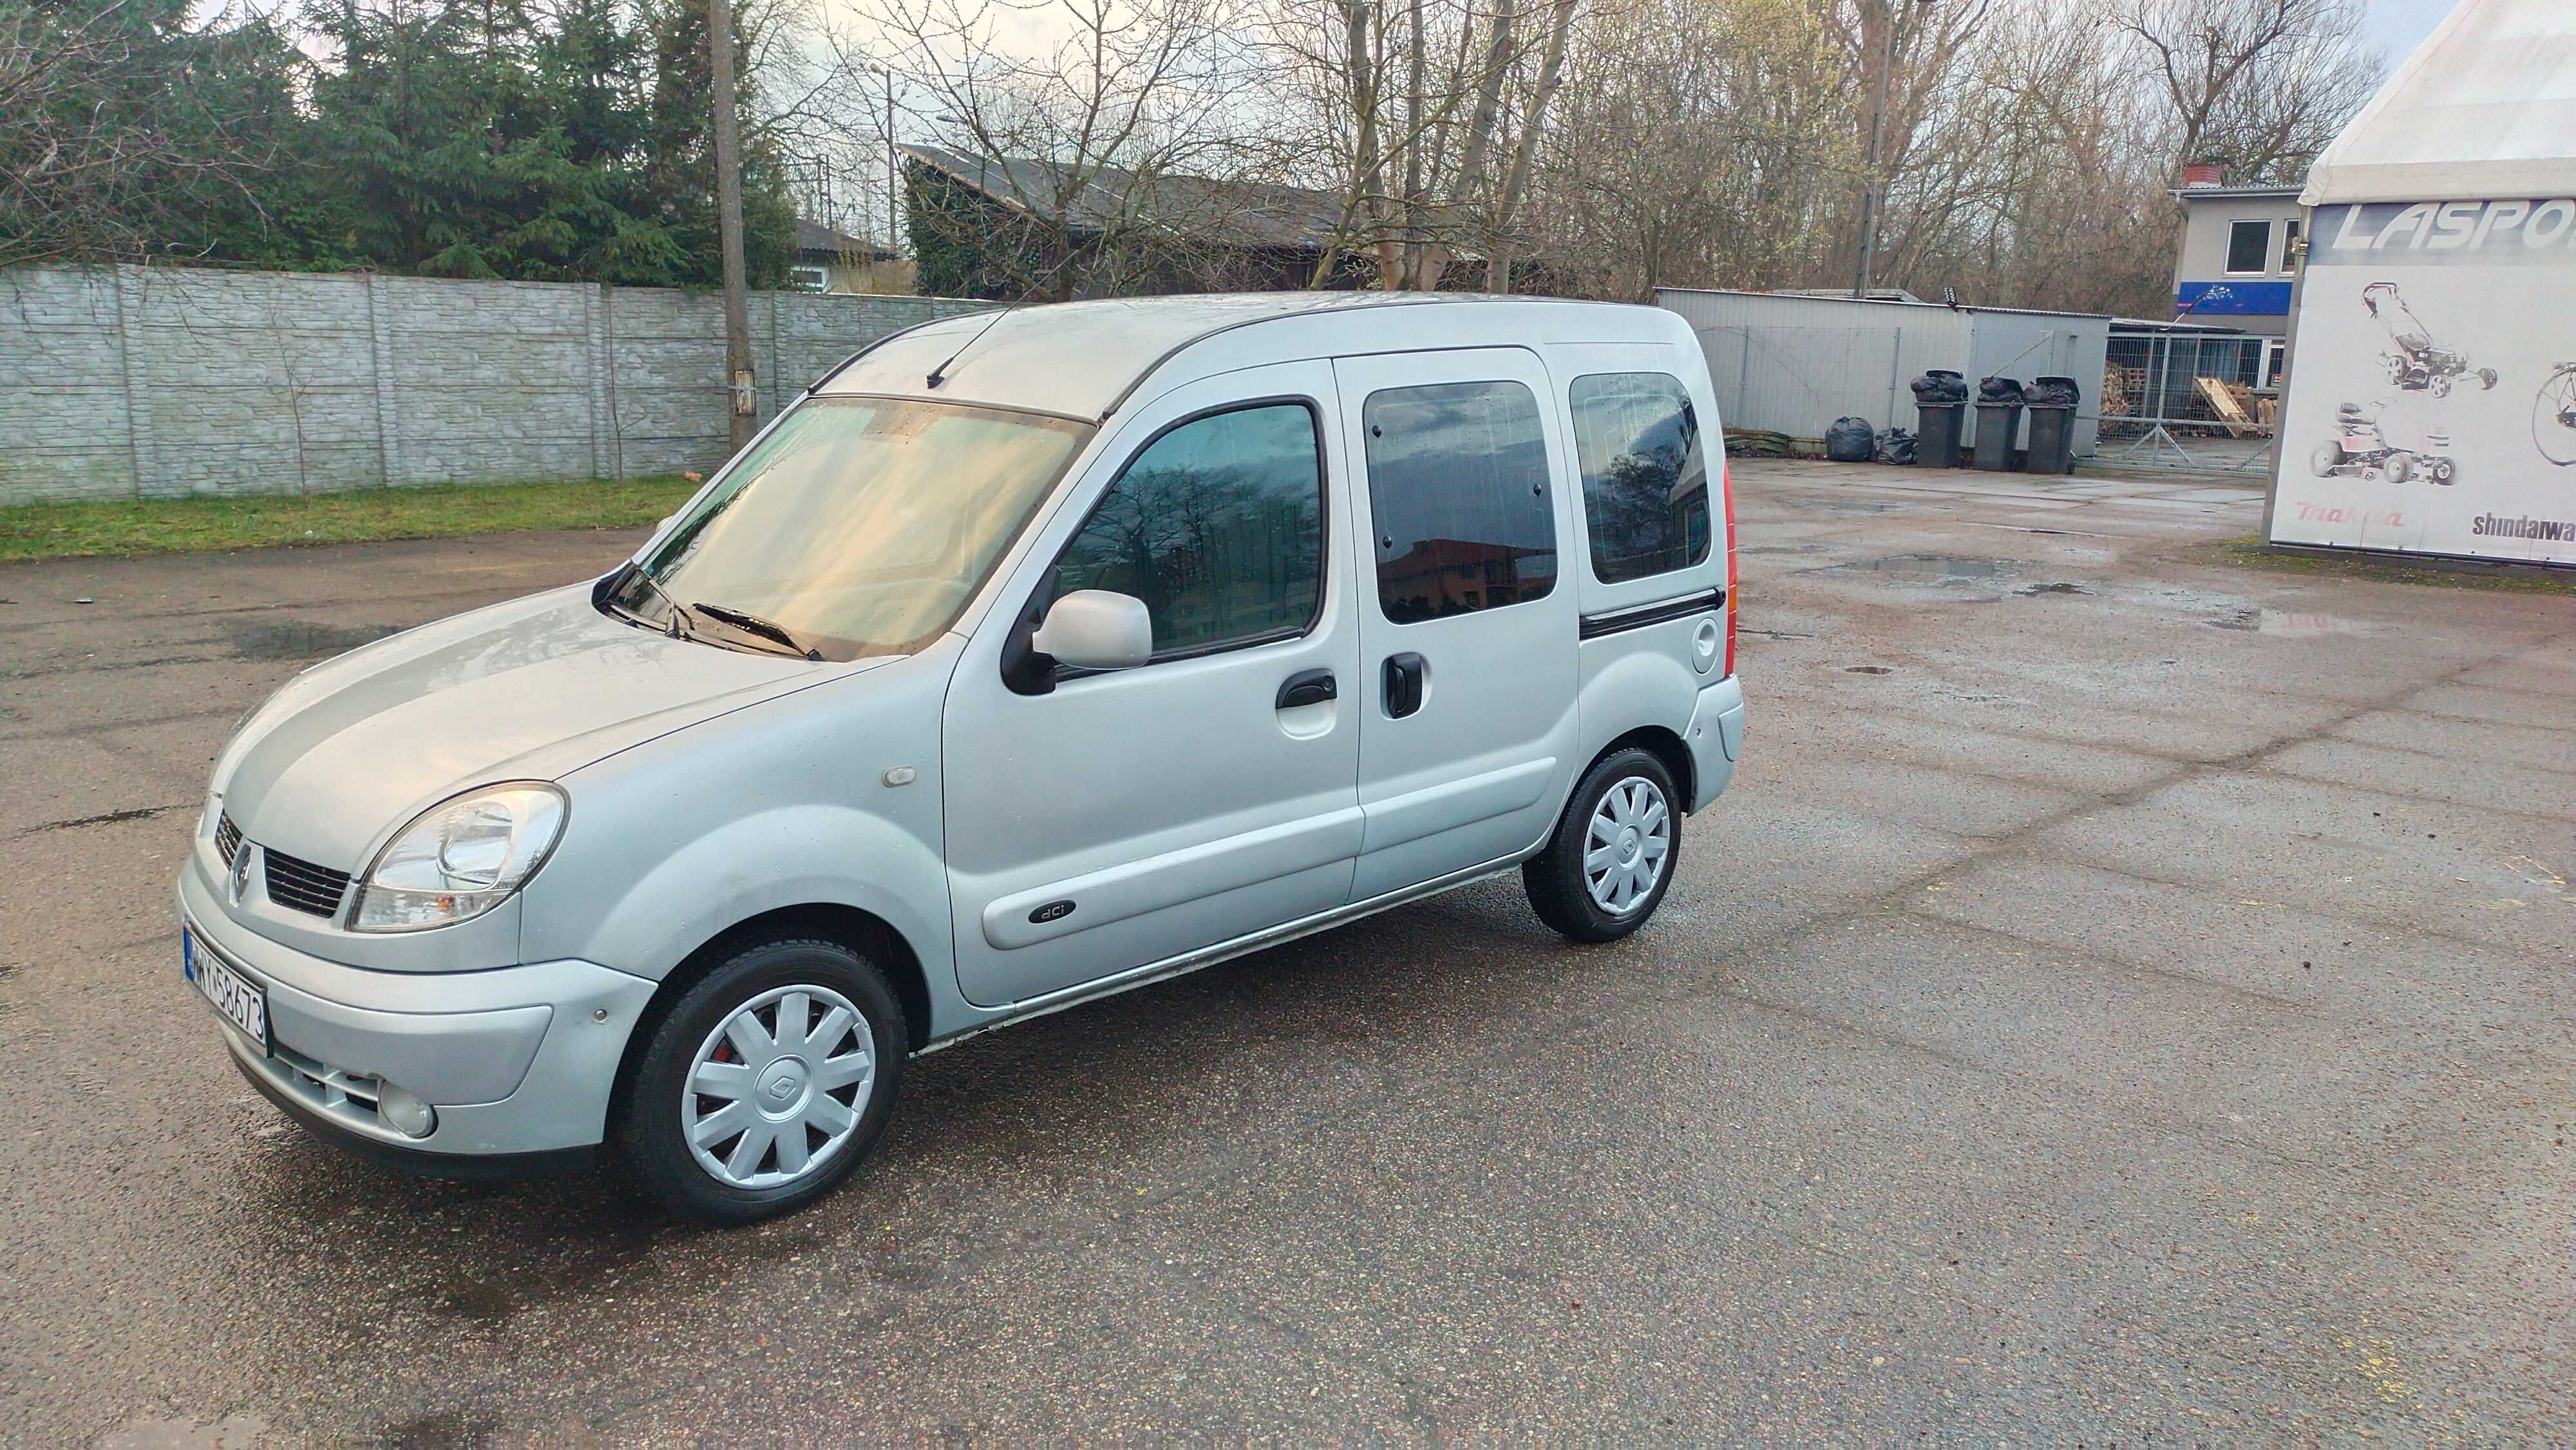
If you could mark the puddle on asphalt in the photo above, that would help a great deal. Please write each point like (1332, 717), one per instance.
(2292, 623)
(1940, 571)
(2061, 587)
(298, 639)
(1867, 670)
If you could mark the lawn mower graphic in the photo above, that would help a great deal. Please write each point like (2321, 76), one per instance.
(2360, 450)
(2553, 417)
(2420, 365)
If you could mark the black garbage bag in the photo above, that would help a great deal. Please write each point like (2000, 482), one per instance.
(1999, 390)
(1895, 446)
(2053, 392)
(1850, 440)
(1939, 386)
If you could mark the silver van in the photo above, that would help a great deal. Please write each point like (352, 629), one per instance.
(1031, 656)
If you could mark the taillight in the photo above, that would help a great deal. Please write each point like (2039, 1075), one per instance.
(1726, 492)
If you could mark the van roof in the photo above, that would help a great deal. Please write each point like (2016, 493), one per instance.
(1082, 359)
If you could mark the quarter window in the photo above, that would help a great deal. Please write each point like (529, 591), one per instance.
(2249, 247)
(1218, 525)
(1645, 480)
(1458, 485)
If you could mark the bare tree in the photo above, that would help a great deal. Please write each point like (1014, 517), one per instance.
(2260, 85)
(1084, 122)
(1428, 115)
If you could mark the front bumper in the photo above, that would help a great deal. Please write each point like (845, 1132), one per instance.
(519, 1060)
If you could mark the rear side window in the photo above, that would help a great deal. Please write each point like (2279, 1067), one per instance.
(1218, 525)
(1645, 480)
(1458, 483)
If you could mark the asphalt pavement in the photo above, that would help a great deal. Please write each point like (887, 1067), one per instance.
(2122, 997)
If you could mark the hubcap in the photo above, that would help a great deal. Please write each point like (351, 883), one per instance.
(1624, 851)
(776, 1090)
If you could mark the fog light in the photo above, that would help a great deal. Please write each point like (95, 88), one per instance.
(404, 1113)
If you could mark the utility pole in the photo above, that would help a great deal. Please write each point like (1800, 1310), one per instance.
(1873, 186)
(1869, 175)
(741, 396)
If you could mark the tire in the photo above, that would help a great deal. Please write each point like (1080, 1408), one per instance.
(2440, 384)
(2487, 379)
(2327, 458)
(1561, 891)
(2400, 467)
(651, 1126)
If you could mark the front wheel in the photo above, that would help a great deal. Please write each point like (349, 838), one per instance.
(2327, 458)
(1607, 866)
(765, 1083)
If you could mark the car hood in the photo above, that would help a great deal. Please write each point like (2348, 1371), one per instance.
(532, 689)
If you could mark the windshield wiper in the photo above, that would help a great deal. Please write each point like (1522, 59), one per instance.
(679, 612)
(754, 624)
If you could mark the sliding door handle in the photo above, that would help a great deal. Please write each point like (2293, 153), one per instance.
(1404, 676)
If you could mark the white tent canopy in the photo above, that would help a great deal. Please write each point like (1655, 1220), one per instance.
(2485, 108)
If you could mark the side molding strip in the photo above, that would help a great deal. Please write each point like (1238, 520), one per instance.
(1188, 962)
(1639, 616)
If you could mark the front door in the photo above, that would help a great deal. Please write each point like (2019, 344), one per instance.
(1467, 629)
(1121, 818)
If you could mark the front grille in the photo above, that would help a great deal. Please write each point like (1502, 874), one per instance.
(304, 886)
(227, 837)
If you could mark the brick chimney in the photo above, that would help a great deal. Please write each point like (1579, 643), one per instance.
(2198, 174)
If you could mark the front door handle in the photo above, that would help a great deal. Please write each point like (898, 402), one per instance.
(1308, 687)
(1404, 674)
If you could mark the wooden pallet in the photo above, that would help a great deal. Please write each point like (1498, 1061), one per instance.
(2241, 413)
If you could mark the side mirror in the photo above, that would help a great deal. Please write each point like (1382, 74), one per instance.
(1093, 629)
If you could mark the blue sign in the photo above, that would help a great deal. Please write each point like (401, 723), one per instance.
(2232, 299)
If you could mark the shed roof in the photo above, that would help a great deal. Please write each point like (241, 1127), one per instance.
(1243, 213)
(2485, 108)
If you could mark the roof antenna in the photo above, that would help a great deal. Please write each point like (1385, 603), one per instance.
(939, 374)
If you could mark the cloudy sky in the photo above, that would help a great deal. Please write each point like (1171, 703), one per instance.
(2396, 25)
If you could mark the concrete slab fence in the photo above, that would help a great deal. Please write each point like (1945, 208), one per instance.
(150, 382)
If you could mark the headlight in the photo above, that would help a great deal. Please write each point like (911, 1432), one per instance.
(460, 858)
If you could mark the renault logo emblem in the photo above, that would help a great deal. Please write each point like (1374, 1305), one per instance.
(241, 872)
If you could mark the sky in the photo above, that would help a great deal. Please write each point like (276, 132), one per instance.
(2396, 26)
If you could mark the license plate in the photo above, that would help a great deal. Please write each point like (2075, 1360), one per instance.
(236, 998)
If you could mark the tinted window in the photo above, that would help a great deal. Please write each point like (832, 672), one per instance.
(1218, 526)
(2249, 246)
(1458, 481)
(1645, 483)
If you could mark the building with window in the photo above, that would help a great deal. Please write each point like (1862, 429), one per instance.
(829, 260)
(2240, 250)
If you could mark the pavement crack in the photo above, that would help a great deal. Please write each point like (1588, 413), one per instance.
(109, 818)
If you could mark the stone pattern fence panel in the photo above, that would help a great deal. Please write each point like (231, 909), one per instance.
(150, 382)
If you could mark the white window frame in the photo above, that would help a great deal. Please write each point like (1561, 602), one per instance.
(2275, 350)
(820, 278)
(2289, 229)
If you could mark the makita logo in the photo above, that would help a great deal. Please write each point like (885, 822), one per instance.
(2493, 527)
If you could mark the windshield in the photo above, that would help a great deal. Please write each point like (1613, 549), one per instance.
(858, 526)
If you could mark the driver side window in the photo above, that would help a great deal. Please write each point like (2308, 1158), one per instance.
(1218, 525)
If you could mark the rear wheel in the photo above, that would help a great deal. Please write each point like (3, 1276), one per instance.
(2400, 467)
(1607, 866)
(2327, 458)
(765, 1083)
